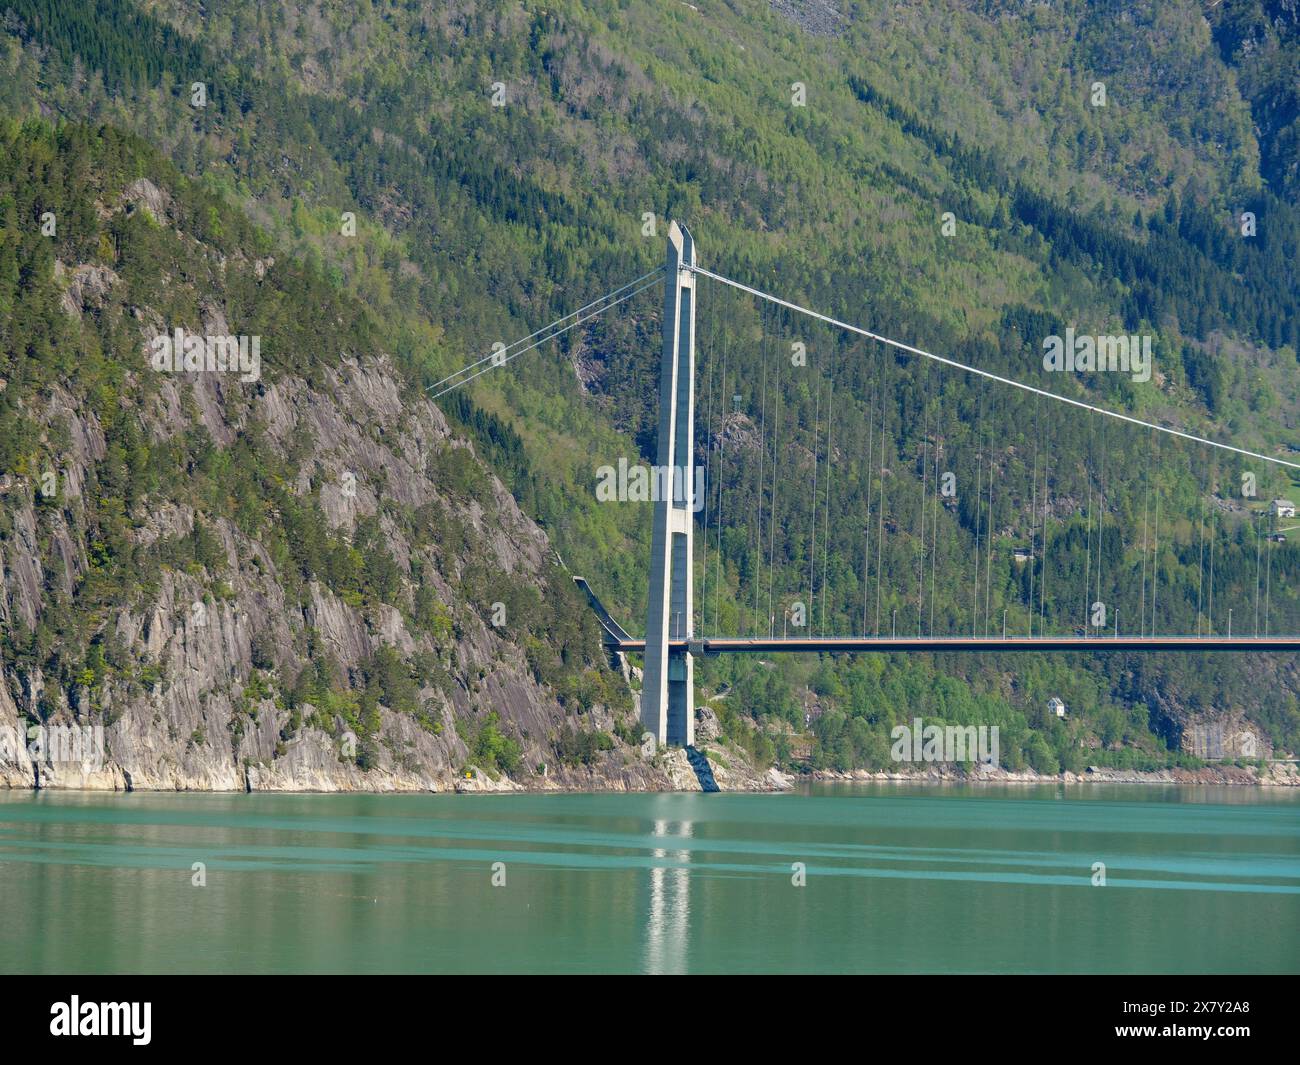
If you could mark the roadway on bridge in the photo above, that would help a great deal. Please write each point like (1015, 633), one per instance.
(760, 645)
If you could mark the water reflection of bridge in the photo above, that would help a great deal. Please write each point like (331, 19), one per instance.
(667, 936)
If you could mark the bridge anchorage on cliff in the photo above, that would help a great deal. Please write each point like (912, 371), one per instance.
(1234, 535)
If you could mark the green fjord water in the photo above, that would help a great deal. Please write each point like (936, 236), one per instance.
(899, 879)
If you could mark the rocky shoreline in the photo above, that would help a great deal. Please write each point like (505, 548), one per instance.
(1275, 775)
(726, 770)
(311, 765)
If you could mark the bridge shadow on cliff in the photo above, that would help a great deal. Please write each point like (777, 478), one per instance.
(703, 771)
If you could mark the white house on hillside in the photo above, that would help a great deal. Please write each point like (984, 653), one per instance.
(1055, 706)
(1283, 508)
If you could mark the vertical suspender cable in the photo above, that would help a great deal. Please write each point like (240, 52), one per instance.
(925, 469)
(1259, 544)
(934, 526)
(871, 439)
(1209, 602)
(1155, 549)
(1087, 543)
(1101, 511)
(880, 508)
(1200, 568)
(1033, 512)
(1268, 587)
(757, 575)
(1146, 502)
(830, 460)
(772, 521)
(979, 503)
(1042, 581)
(812, 542)
(988, 540)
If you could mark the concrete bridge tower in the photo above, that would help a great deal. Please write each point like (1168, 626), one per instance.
(668, 692)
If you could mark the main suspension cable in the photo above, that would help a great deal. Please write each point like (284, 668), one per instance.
(987, 374)
(499, 358)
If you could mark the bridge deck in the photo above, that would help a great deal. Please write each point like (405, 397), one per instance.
(741, 645)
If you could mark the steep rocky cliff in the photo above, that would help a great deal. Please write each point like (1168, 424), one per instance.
(303, 581)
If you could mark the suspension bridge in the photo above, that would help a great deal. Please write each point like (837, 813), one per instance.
(677, 620)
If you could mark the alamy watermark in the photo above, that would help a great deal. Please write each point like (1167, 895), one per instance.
(1084, 353)
(81, 745)
(944, 743)
(77, 1018)
(650, 484)
(189, 352)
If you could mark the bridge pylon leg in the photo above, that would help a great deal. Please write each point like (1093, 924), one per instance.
(668, 692)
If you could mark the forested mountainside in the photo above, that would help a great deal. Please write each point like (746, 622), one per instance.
(1261, 41)
(1096, 162)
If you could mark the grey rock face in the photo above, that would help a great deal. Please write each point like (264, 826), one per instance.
(192, 724)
